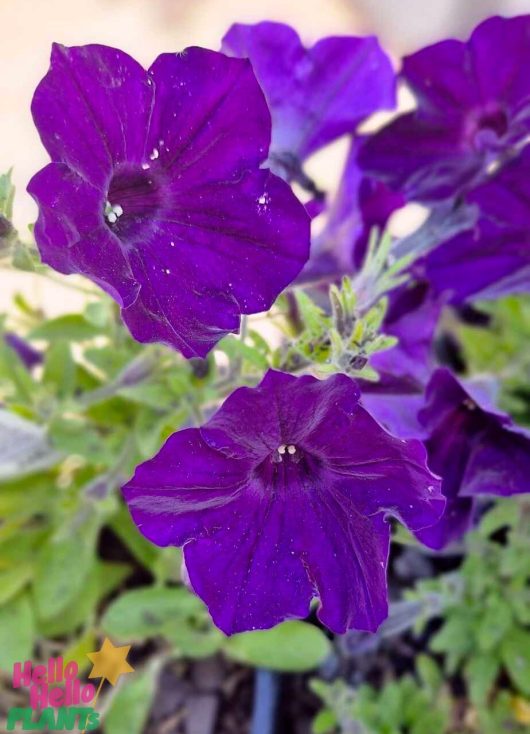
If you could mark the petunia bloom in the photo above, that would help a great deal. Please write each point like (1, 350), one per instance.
(281, 497)
(476, 449)
(473, 111)
(27, 354)
(155, 190)
(493, 258)
(315, 95)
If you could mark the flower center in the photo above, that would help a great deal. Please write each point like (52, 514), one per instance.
(286, 448)
(286, 451)
(494, 120)
(486, 127)
(134, 200)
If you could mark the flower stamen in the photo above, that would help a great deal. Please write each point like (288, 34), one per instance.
(113, 212)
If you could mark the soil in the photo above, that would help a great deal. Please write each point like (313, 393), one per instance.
(214, 696)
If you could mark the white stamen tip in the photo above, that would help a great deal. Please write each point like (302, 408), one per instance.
(111, 216)
(145, 166)
(154, 155)
(282, 449)
(291, 449)
(118, 210)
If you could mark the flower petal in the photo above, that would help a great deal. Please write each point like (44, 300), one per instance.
(210, 121)
(381, 473)
(421, 157)
(248, 573)
(182, 492)
(457, 519)
(346, 554)
(86, 96)
(217, 254)
(71, 234)
(473, 106)
(315, 95)
(493, 259)
(499, 463)
(281, 410)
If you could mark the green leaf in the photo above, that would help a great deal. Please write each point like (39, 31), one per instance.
(77, 436)
(235, 348)
(504, 514)
(102, 580)
(98, 313)
(291, 646)
(144, 551)
(59, 369)
(325, 721)
(62, 571)
(13, 580)
(515, 653)
(431, 722)
(194, 639)
(13, 371)
(314, 318)
(21, 549)
(24, 256)
(173, 613)
(70, 327)
(77, 652)
(496, 621)
(152, 394)
(132, 701)
(429, 673)
(7, 195)
(16, 631)
(456, 635)
(481, 672)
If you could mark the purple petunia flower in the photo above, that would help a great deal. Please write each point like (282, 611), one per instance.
(493, 258)
(360, 205)
(315, 95)
(473, 110)
(475, 448)
(281, 497)
(30, 356)
(155, 190)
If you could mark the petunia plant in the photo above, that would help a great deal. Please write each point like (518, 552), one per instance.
(264, 374)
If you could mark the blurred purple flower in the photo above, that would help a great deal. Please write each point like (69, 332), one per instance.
(360, 205)
(493, 258)
(473, 110)
(155, 190)
(315, 95)
(412, 317)
(282, 497)
(475, 448)
(30, 356)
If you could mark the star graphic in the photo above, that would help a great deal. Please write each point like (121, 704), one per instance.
(110, 662)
